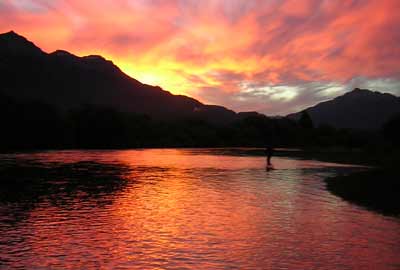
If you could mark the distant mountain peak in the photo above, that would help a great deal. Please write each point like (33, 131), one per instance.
(359, 91)
(11, 36)
(91, 61)
(62, 53)
(362, 90)
(359, 108)
(14, 43)
(67, 82)
(11, 33)
(366, 93)
(95, 57)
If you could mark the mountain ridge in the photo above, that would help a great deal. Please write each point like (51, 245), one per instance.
(68, 81)
(357, 109)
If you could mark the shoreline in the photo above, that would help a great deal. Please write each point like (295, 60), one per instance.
(375, 189)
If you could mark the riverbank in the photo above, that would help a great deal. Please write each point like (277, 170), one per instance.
(376, 189)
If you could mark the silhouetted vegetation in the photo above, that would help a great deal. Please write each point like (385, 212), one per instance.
(46, 107)
(375, 189)
(53, 107)
(378, 188)
(36, 125)
(391, 130)
(305, 120)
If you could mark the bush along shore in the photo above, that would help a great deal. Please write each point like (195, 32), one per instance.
(376, 189)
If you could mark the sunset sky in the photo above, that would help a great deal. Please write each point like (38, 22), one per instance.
(271, 56)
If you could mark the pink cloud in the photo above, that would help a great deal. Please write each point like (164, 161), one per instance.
(210, 49)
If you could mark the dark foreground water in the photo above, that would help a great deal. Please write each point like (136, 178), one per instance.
(183, 209)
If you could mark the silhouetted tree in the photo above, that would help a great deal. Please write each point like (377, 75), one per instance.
(305, 120)
(28, 124)
(391, 129)
(98, 127)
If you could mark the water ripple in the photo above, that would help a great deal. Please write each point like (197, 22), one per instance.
(183, 209)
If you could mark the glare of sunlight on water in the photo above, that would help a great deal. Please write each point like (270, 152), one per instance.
(183, 209)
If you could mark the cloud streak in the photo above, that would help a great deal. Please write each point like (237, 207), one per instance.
(271, 56)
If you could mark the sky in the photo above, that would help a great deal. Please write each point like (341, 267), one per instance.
(270, 56)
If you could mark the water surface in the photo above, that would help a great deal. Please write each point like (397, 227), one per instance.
(183, 209)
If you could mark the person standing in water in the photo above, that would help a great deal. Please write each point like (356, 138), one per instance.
(269, 151)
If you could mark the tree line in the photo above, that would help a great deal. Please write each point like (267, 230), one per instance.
(36, 125)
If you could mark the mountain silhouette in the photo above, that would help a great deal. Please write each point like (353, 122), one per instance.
(67, 82)
(358, 109)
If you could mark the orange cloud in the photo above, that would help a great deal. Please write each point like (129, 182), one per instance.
(226, 52)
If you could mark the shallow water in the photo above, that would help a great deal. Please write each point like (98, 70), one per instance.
(183, 209)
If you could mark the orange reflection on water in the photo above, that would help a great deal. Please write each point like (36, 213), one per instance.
(196, 209)
(174, 214)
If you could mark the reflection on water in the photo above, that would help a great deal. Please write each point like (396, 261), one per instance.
(183, 209)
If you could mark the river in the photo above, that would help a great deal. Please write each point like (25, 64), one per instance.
(183, 209)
